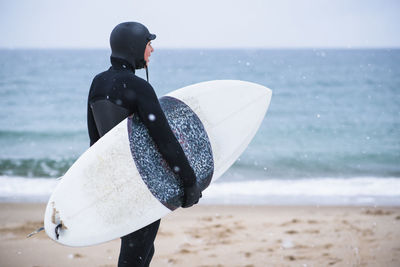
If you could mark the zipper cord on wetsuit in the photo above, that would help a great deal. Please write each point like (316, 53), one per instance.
(147, 73)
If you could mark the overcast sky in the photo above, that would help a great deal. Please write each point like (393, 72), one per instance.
(203, 23)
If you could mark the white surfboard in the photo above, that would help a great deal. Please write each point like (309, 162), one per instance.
(122, 184)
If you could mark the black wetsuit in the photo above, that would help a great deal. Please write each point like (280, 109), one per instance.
(126, 93)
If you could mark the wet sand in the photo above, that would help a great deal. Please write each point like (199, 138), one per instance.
(225, 236)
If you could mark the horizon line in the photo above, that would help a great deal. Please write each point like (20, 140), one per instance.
(218, 48)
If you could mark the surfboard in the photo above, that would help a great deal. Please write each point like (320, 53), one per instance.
(122, 183)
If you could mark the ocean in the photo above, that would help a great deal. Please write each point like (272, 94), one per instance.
(330, 137)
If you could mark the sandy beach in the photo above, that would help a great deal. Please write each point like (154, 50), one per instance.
(225, 236)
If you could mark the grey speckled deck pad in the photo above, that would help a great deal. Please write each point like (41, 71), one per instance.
(190, 132)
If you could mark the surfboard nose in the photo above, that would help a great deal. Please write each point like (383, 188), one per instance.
(231, 112)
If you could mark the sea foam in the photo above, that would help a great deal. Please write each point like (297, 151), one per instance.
(316, 191)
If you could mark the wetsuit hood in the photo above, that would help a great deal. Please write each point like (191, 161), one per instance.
(128, 41)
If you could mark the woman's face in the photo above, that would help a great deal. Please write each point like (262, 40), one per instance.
(147, 52)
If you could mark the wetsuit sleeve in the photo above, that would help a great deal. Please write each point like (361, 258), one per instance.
(92, 129)
(153, 117)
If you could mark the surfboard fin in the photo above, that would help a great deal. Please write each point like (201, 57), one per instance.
(35, 232)
(57, 230)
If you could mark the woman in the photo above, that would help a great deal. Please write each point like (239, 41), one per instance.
(118, 93)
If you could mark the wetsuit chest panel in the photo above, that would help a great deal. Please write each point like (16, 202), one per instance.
(107, 114)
